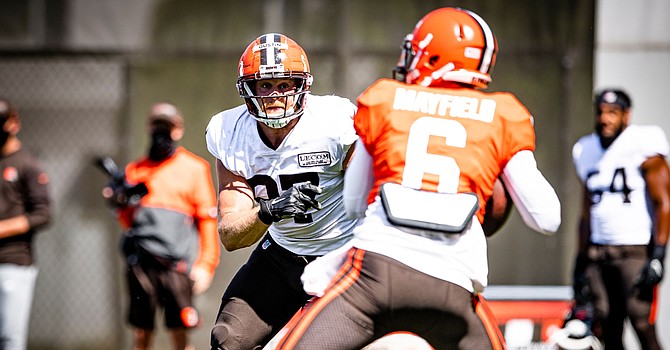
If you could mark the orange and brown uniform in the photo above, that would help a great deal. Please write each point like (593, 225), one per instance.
(479, 131)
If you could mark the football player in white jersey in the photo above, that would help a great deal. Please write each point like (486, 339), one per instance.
(280, 160)
(625, 222)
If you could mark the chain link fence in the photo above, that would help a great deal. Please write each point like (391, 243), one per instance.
(68, 106)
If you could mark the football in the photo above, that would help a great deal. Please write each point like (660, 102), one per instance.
(498, 208)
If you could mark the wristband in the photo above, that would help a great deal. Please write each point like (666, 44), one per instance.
(658, 253)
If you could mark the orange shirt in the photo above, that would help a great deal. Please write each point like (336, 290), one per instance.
(180, 184)
(441, 139)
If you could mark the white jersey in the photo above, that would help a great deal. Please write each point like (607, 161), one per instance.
(314, 150)
(620, 214)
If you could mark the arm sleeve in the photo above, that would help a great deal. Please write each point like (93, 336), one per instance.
(532, 194)
(205, 215)
(656, 143)
(358, 181)
(212, 135)
(349, 135)
(38, 203)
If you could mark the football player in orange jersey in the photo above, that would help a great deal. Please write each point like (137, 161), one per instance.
(430, 150)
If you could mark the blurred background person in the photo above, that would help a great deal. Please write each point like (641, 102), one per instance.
(170, 242)
(25, 207)
(625, 222)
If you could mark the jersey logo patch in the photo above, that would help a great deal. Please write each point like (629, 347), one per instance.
(10, 174)
(314, 159)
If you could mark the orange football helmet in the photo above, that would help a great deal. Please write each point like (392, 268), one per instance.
(448, 45)
(273, 56)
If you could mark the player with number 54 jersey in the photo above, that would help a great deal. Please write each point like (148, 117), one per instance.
(616, 185)
(624, 225)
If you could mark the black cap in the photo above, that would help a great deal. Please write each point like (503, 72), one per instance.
(612, 96)
(166, 112)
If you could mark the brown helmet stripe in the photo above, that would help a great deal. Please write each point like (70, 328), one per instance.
(489, 44)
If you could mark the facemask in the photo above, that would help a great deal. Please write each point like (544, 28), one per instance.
(162, 145)
(4, 135)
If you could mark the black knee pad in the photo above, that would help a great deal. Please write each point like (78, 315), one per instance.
(239, 328)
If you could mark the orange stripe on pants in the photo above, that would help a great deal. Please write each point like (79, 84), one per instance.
(654, 307)
(484, 312)
(346, 276)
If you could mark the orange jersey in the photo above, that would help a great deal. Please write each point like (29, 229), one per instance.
(181, 197)
(181, 183)
(441, 139)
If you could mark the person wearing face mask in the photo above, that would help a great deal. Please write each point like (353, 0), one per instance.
(25, 207)
(170, 240)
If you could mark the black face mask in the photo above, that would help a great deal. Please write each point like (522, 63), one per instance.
(4, 135)
(162, 145)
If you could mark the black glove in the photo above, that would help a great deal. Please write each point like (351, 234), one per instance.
(652, 272)
(582, 307)
(120, 194)
(580, 287)
(294, 202)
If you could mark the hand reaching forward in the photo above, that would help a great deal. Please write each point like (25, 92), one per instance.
(293, 202)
